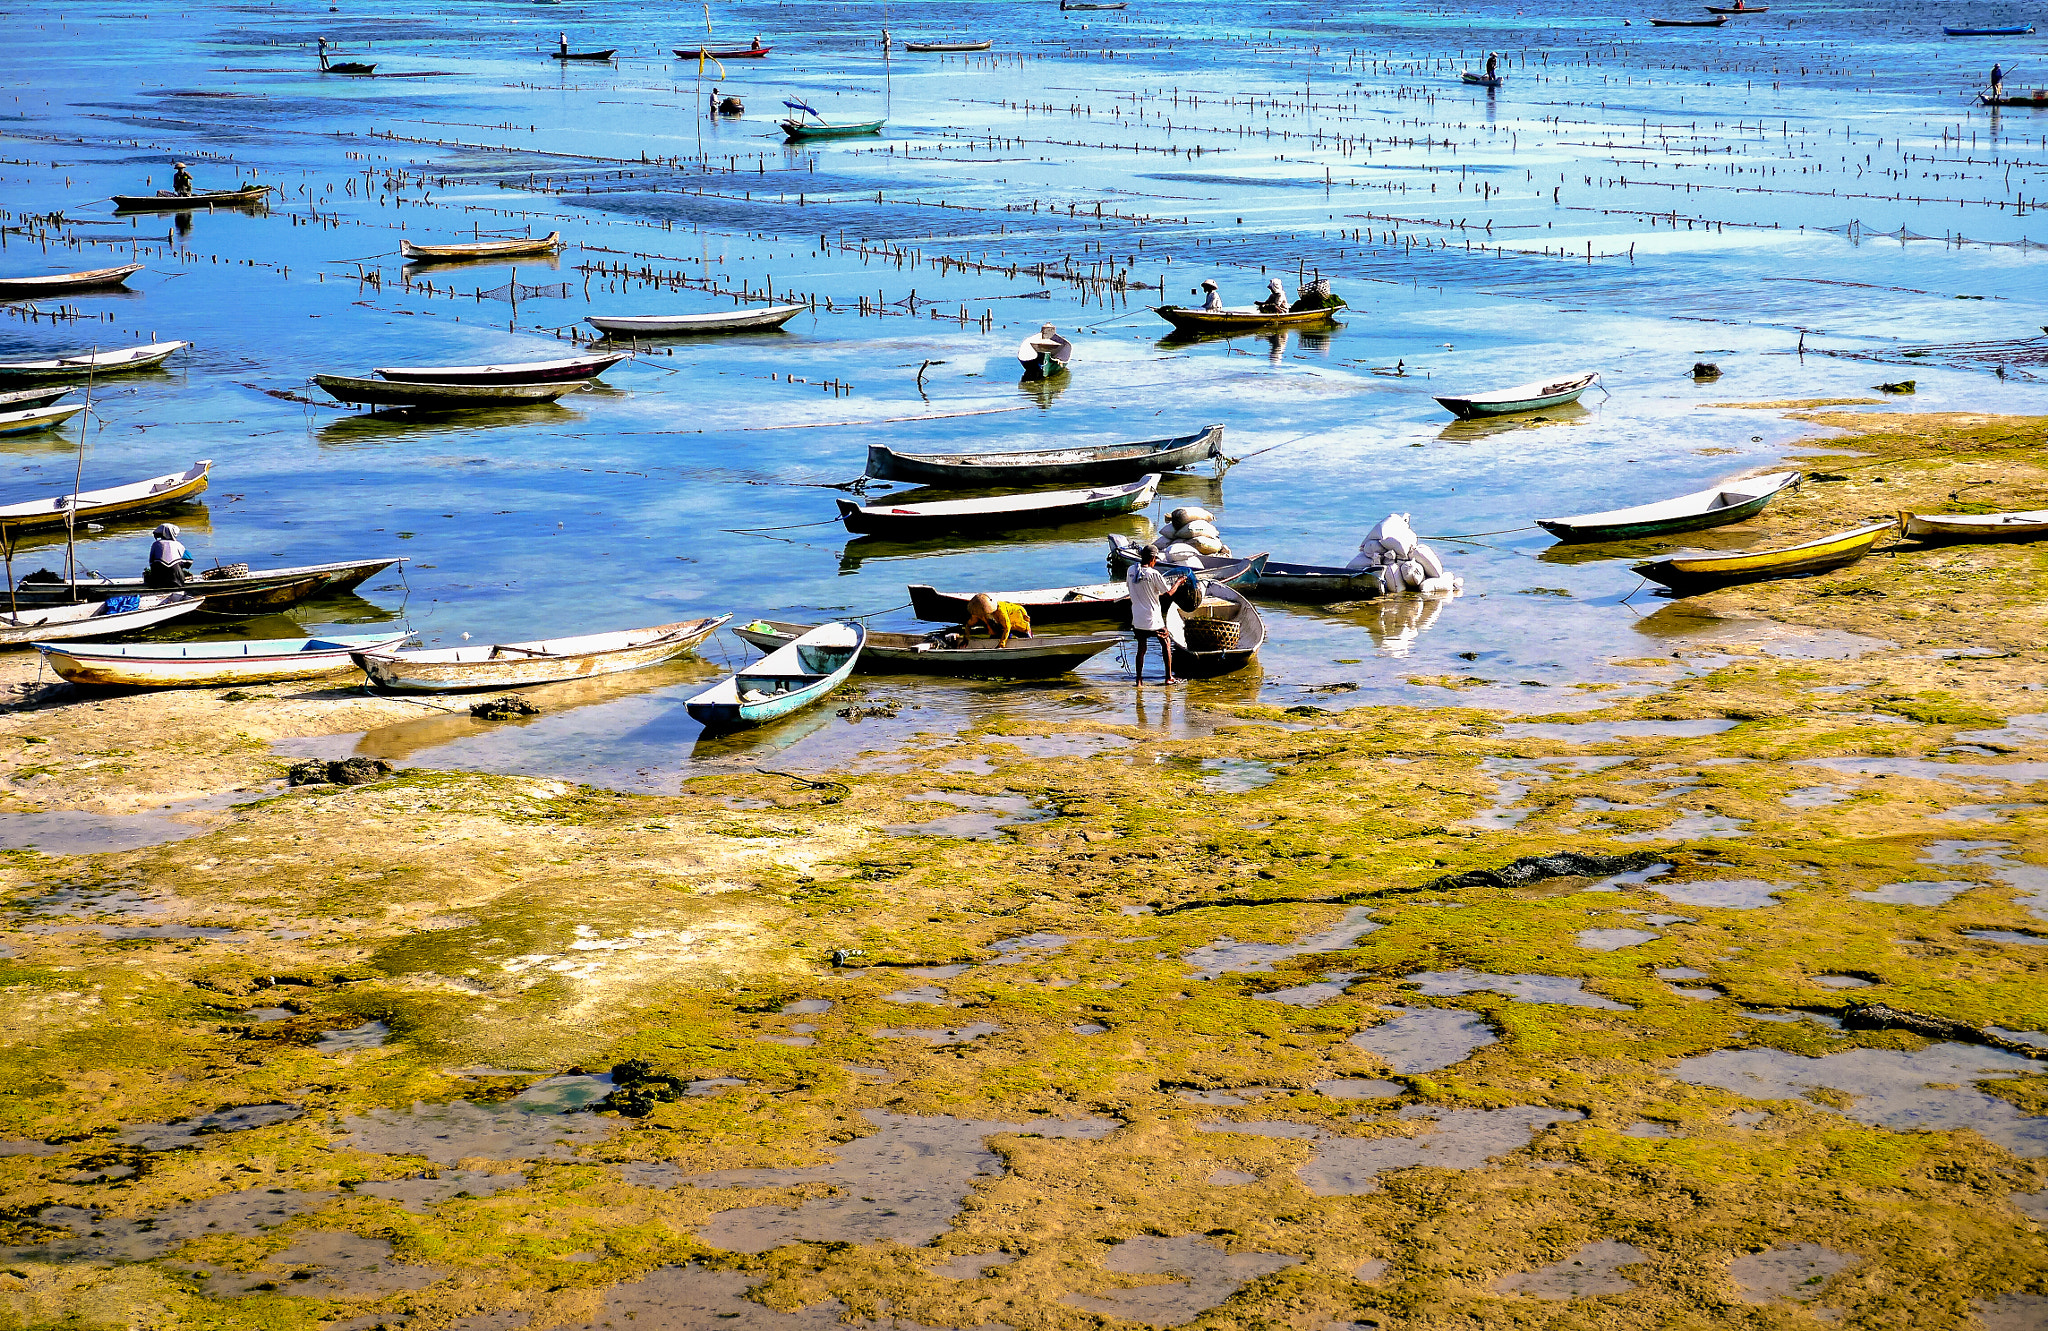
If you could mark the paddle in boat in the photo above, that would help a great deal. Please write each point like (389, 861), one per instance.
(1219, 636)
(551, 243)
(230, 591)
(759, 320)
(1698, 573)
(1044, 353)
(946, 653)
(504, 664)
(1714, 22)
(754, 52)
(23, 399)
(445, 397)
(788, 678)
(99, 618)
(168, 201)
(58, 284)
(1083, 465)
(36, 418)
(2025, 526)
(1188, 320)
(112, 502)
(1990, 32)
(582, 368)
(187, 665)
(997, 513)
(91, 364)
(796, 128)
(1522, 397)
(1715, 506)
(1313, 583)
(947, 46)
(1074, 605)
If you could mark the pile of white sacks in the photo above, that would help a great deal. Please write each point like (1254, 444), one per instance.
(1403, 563)
(1188, 532)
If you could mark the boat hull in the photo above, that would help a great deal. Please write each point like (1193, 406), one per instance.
(2030, 526)
(1555, 394)
(1189, 663)
(691, 325)
(811, 666)
(1185, 320)
(1482, 81)
(1988, 32)
(1619, 525)
(208, 664)
(551, 243)
(1316, 584)
(1696, 573)
(925, 48)
(738, 53)
(796, 130)
(531, 372)
(1050, 466)
(410, 672)
(1037, 657)
(57, 284)
(178, 203)
(444, 397)
(25, 399)
(230, 593)
(36, 419)
(939, 518)
(90, 620)
(1076, 605)
(584, 55)
(92, 365)
(118, 501)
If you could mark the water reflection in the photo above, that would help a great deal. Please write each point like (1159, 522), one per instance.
(1465, 432)
(404, 424)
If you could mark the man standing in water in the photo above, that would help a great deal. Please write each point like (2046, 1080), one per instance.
(1149, 587)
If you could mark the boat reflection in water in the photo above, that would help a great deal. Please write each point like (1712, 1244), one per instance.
(393, 425)
(1469, 431)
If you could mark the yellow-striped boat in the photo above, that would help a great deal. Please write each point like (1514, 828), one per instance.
(1696, 573)
(114, 501)
(1246, 320)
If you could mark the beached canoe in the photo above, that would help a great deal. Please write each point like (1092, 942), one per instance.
(91, 364)
(1522, 397)
(1074, 605)
(784, 680)
(27, 398)
(551, 243)
(37, 418)
(1688, 22)
(187, 665)
(722, 52)
(111, 502)
(1715, 506)
(997, 513)
(242, 593)
(99, 618)
(1989, 32)
(166, 201)
(1035, 657)
(795, 130)
(544, 661)
(1483, 80)
(683, 325)
(1696, 573)
(2026, 526)
(947, 46)
(1244, 320)
(1091, 464)
(445, 397)
(519, 372)
(1220, 636)
(58, 284)
(1315, 583)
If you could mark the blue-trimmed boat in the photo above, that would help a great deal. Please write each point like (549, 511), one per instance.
(785, 680)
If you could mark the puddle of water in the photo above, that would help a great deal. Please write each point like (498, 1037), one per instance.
(1799, 1272)
(1635, 879)
(324, 1264)
(1206, 1276)
(1234, 776)
(1028, 948)
(1929, 1089)
(1841, 982)
(2012, 1312)
(31, 1148)
(562, 1095)
(2017, 732)
(2019, 773)
(430, 1190)
(1981, 813)
(1613, 940)
(1371, 1269)
(1694, 825)
(1749, 1118)
(1603, 732)
(1522, 988)
(2005, 936)
(929, 993)
(1226, 956)
(1516, 777)
(269, 1013)
(1235, 1095)
(1679, 973)
(1815, 797)
(1651, 1131)
(905, 1183)
(974, 1265)
(1701, 995)
(369, 1035)
(691, 1298)
(447, 1134)
(76, 832)
(2034, 1038)
(983, 817)
(1314, 994)
(2033, 1205)
(806, 1007)
(1062, 746)
(1591, 1271)
(1230, 1178)
(1360, 1088)
(936, 1036)
(940, 972)
(2029, 882)
(716, 1085)
(1913, 894)
(1088, 1028)
(793, 1041)
(1426, 1039)
(1727, 893)
(140, 1239)
(1445, 1139)
(186, 1132)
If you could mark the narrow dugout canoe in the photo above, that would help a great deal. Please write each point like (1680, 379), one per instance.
(36, 418)
(92, 364)
(92, 619)
(1090, 464)
(445, 397)
(25, 398)
(1695, 573)
(1035, 657)
(680, 325)
(997, 513)
(795, 130)
(1482, 80)
(114, 501)
(2025, 526)
(166, 201)
(1313, 583)
(947, 46)
(2035, 101)
(551, 243)
(1522, 397)
(783, 681)
(1201, 660)
(1246, 320)
(185, 665)
(1687, 22)
(1070, 605)
(545, 661)
(1715, 506)
(57, 284)
(1989, 32)
(585, 55)
(231, 595)
(722, 52)
(517, 372)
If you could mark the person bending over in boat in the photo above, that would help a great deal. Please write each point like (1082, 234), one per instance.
(181, 178)
(1149, 588)
(1276, 298)
(1212, 299)
(168, 562)
(1000, 619)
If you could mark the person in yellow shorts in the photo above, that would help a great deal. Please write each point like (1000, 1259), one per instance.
(1001, 619)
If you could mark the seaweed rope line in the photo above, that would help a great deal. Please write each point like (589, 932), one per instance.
(1230, 461)
(747, 531)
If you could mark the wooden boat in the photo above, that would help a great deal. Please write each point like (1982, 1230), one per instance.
(57, 284)
(167, 201)
(947, 46)
(1715, 506)
(2036, 100)
(1522, 397)
(93, 619)
(445, 397)
(1482, 80)
(786, 679)
(564, 53)
(1738, 9)
(1220, 636)
(345, 67)
(25, 398)
(997, 513)
(683, 325)
(111, 502)
(1084, 465)
(186, 665)
(551, 243)
(36, 418)
(231, 595)
(1688, 22)
(1243, 320)
(92, 364)
(1068, 4)
(723, 53)
(795, 130)
(502, 665)
(918, 654)
(2027, 526)
(1693, 573)
(583, 368)
(1990, 32)
(1315, 583)
(1073, 605)
(1044, 353)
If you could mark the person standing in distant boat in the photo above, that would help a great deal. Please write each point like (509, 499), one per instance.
(1492, 63)
(181, 178)
(1212, 299)
(167, 559)
(1149, 590)
(1997, 82)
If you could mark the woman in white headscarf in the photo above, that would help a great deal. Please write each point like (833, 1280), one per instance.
(1276, 298)
(167, 559)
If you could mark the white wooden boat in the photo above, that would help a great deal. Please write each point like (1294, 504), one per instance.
(2027, 526)
(445, 397)
(1035, 657)
(948, 46)
(1045, 352)
(522, 372)
(93, 619)
(1222, 635)
(1715, 506)
(551, 243)
(785, 680)
(1316, 583)
(114, 501)
(1083, 464)
(57, 284)
(1522, 397)
(502, 665)
(83, 364)
(679, 325)
(22, 399)
(997, 513)
(36, 418)
(185, 665)
(253, 592)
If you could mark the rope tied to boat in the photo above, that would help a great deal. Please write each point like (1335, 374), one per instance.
(1470, 535)
(747, 531)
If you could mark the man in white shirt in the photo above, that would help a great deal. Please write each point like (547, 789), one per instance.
(1149, 590)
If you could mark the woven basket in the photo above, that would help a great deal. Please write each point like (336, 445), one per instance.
(224, 571)
(1210, 635)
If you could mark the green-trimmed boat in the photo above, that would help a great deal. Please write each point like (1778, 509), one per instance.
(797, 130)
(1716, 506)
